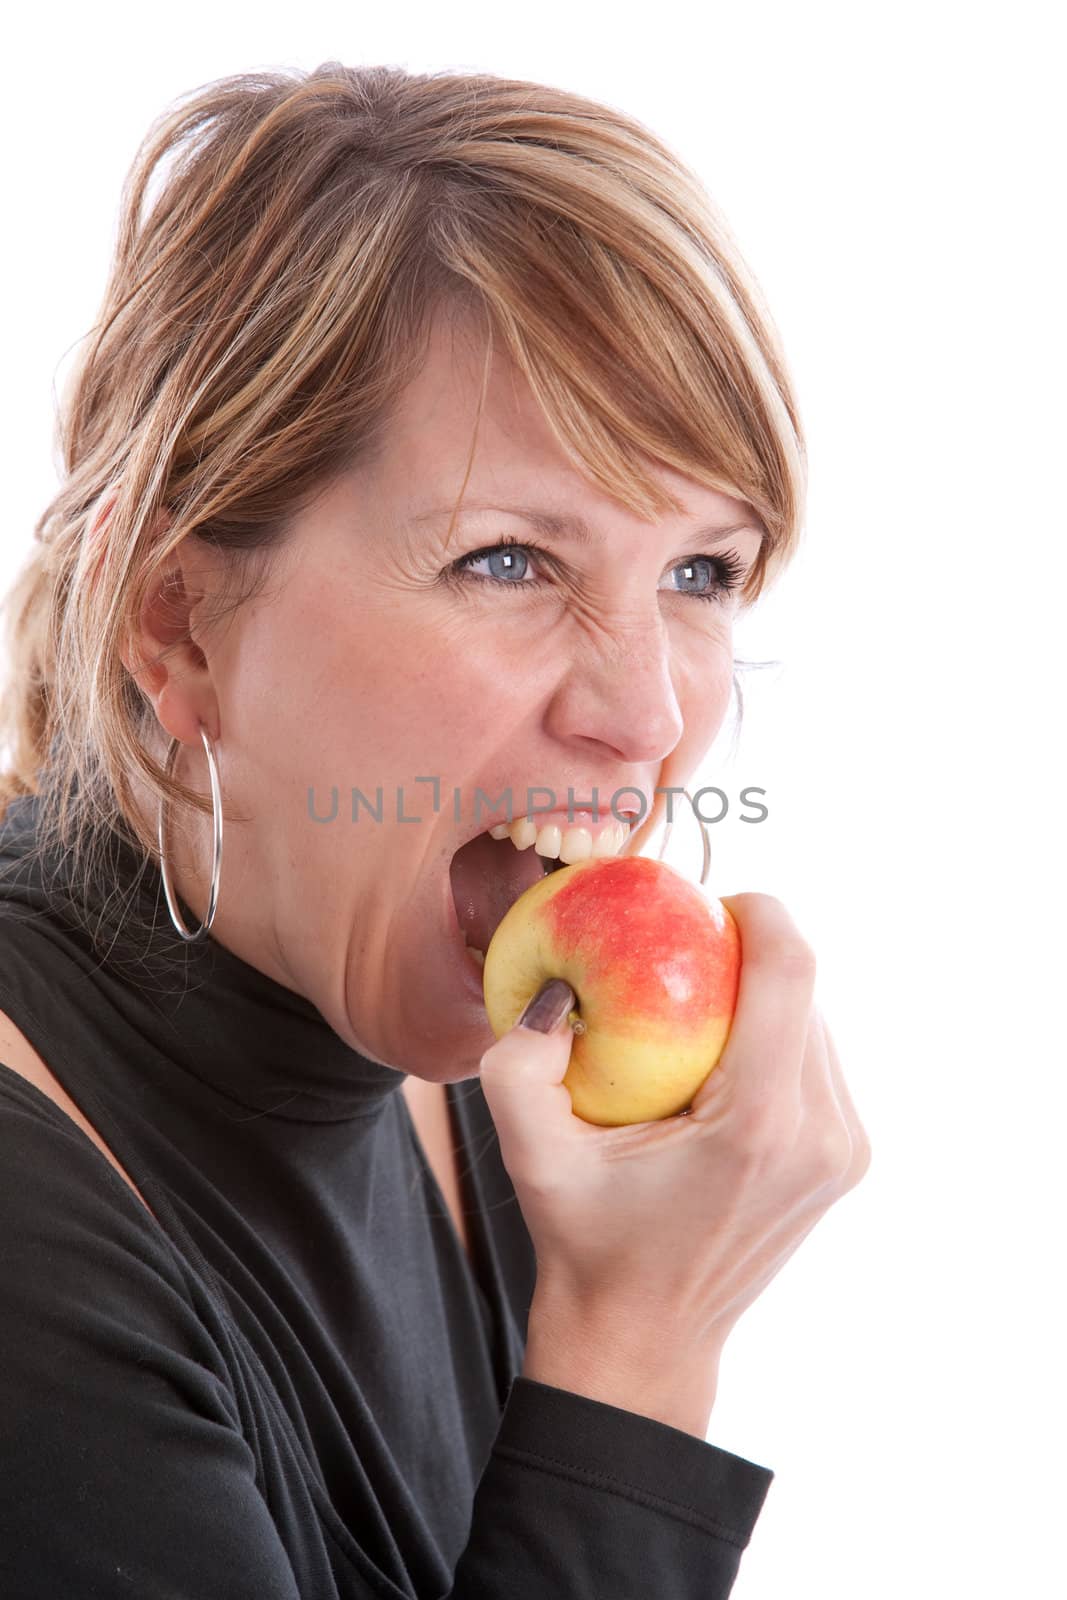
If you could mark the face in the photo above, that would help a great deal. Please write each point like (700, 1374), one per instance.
(383, 655)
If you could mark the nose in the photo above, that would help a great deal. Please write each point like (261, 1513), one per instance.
(620, 695)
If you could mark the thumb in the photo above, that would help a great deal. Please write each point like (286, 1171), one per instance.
(522, 1078)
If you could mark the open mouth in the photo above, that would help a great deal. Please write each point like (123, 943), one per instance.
(488, 875)
(491, 871)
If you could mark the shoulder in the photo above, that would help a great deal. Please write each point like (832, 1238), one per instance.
(19, 1056)
(45, 983)
(65, 1198)
(89, 1275)
(125, 1464)
(74, 1246)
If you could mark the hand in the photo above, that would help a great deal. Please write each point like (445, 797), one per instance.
(653, 1238)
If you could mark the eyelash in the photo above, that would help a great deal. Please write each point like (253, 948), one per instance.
(728, 566)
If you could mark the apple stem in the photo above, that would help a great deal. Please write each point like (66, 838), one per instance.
(577, 1025)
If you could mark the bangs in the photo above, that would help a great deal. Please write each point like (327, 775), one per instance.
(661, 357)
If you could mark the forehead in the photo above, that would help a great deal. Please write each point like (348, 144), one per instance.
(430, 436)
(423, 463)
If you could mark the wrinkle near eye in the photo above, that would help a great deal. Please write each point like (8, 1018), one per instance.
(529, 568)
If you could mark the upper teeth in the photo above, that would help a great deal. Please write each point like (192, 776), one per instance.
(565, 843)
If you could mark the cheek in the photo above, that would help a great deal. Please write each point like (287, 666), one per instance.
(704, 689)
(349, 696)
(306, 684)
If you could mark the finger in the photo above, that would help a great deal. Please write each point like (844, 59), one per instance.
(816, 1085)
(861, 1144)
(765, 1050)
(521, 1077)
(825, 1129)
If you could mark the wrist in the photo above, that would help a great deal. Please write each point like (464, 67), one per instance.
(612, 1361)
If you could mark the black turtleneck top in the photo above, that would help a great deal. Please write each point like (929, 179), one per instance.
(286, 1381)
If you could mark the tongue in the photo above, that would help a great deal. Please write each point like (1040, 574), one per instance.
(488, 876)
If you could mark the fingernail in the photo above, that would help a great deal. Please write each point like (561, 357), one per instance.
(548, 1007)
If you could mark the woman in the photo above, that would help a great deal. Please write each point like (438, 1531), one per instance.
(429, 439)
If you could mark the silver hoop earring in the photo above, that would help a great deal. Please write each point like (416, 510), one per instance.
(704, 835)
(216, 849)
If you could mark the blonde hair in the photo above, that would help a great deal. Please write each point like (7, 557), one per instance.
(265, 309)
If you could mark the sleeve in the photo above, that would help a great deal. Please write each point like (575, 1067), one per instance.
(123, 1471)
(581, 1499)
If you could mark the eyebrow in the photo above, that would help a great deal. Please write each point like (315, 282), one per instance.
(569, 525)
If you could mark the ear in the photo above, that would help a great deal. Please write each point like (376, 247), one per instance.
(162, 653)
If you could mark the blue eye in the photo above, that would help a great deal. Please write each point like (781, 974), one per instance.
(507, 563)
(721, 574)
(703, 577)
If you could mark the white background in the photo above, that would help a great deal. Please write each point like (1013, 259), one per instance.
(894, 177)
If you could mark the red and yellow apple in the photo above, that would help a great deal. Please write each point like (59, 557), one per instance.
(654, 963)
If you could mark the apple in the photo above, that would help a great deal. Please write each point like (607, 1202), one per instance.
(654, 963)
